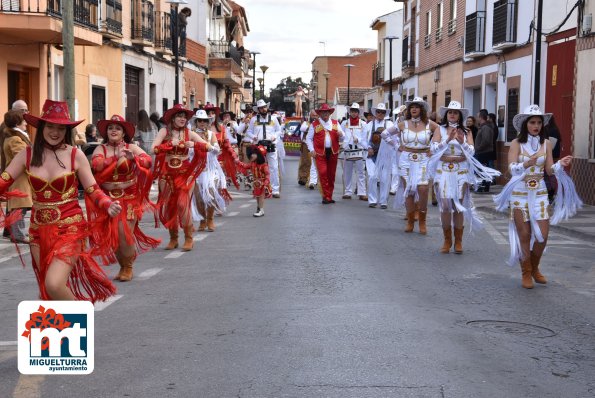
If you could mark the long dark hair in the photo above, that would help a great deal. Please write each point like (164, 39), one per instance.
(423, 114)
(144, 123)
(259, 158)
(460, 120)
(39, 143)
(524, 134)
(155, 119)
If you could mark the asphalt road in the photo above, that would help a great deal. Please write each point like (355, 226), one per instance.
(329, 301)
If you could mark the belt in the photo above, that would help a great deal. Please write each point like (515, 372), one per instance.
(175, 161)
(453, 159)
(415, 150)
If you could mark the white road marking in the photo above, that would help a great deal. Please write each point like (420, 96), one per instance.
(497, 236)
(149, 273)
(198, 238)
(233, 213)
(8, 343)
(175, 254)
(245, 205)
(100, 306)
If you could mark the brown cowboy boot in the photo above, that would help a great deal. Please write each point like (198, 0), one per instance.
(447, 240)
(203, 225)
(188, 242)
(422, 222)
(537, 276)
(119, 274)
(459, 240)
(410, 221)
(173, 239)
(526, 269)
(126, 264)
(210, 222)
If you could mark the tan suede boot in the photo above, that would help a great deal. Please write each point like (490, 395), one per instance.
(459, 240)
(119, 274)
(173, 239)
(526, 269)
(537, 276)
(203, 225)
(447, 240)
(188, 242)
(422, 222)
(410, 221)
(210, 222)
(126, 263)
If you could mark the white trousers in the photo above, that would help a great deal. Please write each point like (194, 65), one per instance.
(376, 195)
(273, 161)
(394, 185)
(348, 168)
(313, 173)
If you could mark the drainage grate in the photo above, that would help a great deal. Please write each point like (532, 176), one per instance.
(516, 328)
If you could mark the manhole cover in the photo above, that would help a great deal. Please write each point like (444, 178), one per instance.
(516, 328)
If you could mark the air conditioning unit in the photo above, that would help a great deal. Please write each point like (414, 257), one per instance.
(587, 24)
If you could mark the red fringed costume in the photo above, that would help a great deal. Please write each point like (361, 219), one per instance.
(135, 176)
(262, 177)
(59, 229)
(179, 175)
(227, 159)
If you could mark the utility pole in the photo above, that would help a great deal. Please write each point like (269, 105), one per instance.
(68, 53)
(537, 83)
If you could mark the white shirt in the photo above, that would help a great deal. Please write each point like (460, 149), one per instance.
(373, 125)
(353, 132)
(328, 125)
(255, 133)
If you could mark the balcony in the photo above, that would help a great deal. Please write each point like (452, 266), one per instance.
(377, 74)
(427, 41)
(475, 34)
(142, 23)
(225, 63)
(40, 21)
(163, 42)
(505, 24)
(452, 26)
(438, 35)
(111, 25)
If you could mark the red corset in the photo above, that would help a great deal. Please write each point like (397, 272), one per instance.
(181, 149)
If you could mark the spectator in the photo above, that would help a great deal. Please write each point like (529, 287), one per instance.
(92, 140)
(472, 125)
(157, 120)
(146, 131)
(14, 139)
(182, 23)
(492, 121)
(484, 145)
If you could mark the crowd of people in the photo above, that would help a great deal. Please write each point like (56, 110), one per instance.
(194, 156)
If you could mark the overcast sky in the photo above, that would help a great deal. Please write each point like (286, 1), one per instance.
(287, 32)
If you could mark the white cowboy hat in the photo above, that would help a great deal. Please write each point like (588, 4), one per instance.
(456, 106)
(355, 105)
(399, 110)
(259, 104)
(419, 101)
(530, 111)
(200, 114)
(379, 107)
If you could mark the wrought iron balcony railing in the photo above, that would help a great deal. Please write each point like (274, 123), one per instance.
(163, 41)
(377, 74)
(475, 33)
(223, 49)
(85, 11)
(505, 22)
(142, 21)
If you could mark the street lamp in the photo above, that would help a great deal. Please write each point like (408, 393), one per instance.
(348, 66)
(254, 76)
(390, 73)
(260, 86)
(263, 68)
(175, 45)
(326, 75)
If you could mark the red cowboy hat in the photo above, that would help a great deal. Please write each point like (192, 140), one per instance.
(53, 112)
(259, 148)
(178, 108)
(128, 127)
(325, 108)
(211, 107)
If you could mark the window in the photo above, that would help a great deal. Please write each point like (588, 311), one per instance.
(439, 22)
(513, 109)
(98, 103)
(447, 97)
(428, 37)
(452, 23)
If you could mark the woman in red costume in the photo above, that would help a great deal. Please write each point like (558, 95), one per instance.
(123, 171)
(177, 173)
(64, 267)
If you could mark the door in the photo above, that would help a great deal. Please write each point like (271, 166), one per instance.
(132, 93)
(98, 105)
(558, 90)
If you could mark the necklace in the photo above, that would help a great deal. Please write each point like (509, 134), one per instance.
(453, 125)
(54, 148)
(534, 142)
(416, 120)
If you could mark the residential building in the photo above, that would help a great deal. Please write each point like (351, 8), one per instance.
(387, 72)
(583, 107)
(410, 50)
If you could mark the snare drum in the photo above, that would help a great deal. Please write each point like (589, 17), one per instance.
(354, 154)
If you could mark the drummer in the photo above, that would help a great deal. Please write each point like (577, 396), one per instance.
(353, 128)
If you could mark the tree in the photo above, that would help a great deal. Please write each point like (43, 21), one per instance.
(285, 87)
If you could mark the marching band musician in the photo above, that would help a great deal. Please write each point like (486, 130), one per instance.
(323, 139)
(380, 167)
(353, 128)
(307, 168)
(265, 130)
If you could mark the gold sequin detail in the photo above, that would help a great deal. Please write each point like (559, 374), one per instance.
(5, 176)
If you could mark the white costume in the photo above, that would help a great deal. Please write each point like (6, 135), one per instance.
(267, 128)
(353, 138)
(379, 167)
(313, 180)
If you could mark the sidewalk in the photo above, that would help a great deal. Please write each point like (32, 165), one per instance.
(582, 225)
